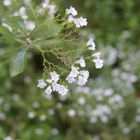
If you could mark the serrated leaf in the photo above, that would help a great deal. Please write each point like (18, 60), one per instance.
(17, 63)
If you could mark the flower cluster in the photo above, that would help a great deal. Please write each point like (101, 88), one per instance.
(97, 60)
(77, 75)
(53, 84)
(22, 12)
(50, 7)
(79, 22)
(102, 112)
(96, 56)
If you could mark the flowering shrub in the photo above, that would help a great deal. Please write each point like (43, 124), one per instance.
(43, 29)
(101, 104)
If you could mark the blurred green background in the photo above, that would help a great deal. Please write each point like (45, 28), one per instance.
(107, 108)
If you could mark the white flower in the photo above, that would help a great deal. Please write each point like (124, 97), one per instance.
(29, 25)
(45, 3)
(126, 130)
(70, 18)
(52, 9)
(55, 86)
(74, 72)
(79, 77)
(81, 101)
(22, 13)
(71, 112)
(8, 138)
(48, 90)
(137, 119)
(104, 119)
(27, 2)
(81, 61)
(80, 22)
(62, 90)
(93, 120)
(2, 116)
(101, 110)
(31, 115)
(83, 77)
(54, 76)
(91, 44)
(71, 11)
(72, 75)
(84, 73)
(81, 81)
(7, 2)
(116, 101)
(98, 63)
(41, 83)
(70, 79)
(42, 117)
(55, 131)
(97, 55)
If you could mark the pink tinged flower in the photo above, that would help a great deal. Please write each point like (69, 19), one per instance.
(80, 22)
(71, 11)
(81, 61)
(54, 76)
(72, 75)
(62, 90)
(91, 44)
(98, 63)
(74, 72)
(48, 90)
(70, 79)
(55, 86)
(41, 83)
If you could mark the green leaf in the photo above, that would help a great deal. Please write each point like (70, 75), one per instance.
(46, 31)
(16, 22)
(17, 63)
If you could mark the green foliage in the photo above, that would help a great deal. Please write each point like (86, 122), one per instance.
(25, 113)
(17, 63)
